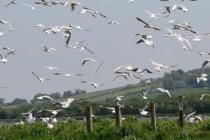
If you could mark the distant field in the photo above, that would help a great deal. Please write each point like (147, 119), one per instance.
(133, 91)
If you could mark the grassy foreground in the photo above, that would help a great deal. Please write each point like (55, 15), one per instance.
(132, 129)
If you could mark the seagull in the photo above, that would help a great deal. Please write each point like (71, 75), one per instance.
(203, 95)
(40, 26)
(180, 7)
(48, 50)
(143, 110)
(203, 77)
(98, 68)
(93, 84)
(66, 103)
(51, 68)
(72, 4)
(155, 16)
(147, 25)
(144, 93)
(3, 59)
(118, 98)
(91, 12)
(158, 66)
(184, 42)
(88, 59)
(120, 75)
(112, 109)
(147, 40)
(114, 22)
(6, 22)
(28, 5)
(163, 91)
(30, 119)
(3, 33)
(10, 51)
(66, 74)
(44, 97)
(189, 115)
(205, 63)
(11, 3)
(81, 46)
(54, 112)
(39, 78)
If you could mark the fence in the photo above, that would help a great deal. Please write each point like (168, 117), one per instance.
(118, 115)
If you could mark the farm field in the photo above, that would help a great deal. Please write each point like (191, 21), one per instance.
(132, 129)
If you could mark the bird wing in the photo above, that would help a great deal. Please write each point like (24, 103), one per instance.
(142, 21)
(35, 75)
(205, 63)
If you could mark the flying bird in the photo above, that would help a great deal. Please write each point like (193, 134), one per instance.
(72, 4)
(84, 61)
(147, 25)
(41, 79)
(44, 97)
(65, 104)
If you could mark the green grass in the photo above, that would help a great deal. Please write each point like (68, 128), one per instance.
(132, 129)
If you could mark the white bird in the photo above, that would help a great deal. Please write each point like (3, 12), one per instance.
(119, 98)
(40, 26)
(6, 22)
(28, 5)
(143, 110)
(180, 7)
(3, 33)
(187, 117)
(88, 59)
(67, 74)
(72, 4)
(48, 50)
(144, 93)
(93, 84)
(147, 40)
(163, 91)
(10, 51)
(3, 59)
(12, 2)
(44, 97)
(203, 77)
(91, 12)
(159, 66)
(66, 103)
(120, 75)
(203, 95)
(205, 63)
(183, 41)
(114, 22)
(54, 112)
(81, 46)
(51, 68)
(112, 109)
(30, 119)
(41, 79)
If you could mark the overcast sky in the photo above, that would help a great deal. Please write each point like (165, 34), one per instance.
(114, 44)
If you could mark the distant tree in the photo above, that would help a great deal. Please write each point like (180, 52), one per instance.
(79, 91)
(18, 101)
(2, 100)
(67, 94)
(55, 95)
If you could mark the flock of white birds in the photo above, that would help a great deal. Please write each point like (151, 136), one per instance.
(181, 31)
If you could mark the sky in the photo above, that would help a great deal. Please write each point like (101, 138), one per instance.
(113, 44)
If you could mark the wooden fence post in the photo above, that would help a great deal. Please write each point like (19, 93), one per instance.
(89, 119)
(118, 116)
(153, 116)
(181, 111)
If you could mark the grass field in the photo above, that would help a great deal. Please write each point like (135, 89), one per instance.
(132, 129)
